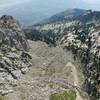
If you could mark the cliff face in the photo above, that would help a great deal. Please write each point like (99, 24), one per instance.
(11, 32)
(14, 59)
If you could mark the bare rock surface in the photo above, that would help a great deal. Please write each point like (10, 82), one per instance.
(14, 57)
(53, 71)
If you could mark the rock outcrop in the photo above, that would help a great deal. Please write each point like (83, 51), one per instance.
(11, 32)
(14, 57)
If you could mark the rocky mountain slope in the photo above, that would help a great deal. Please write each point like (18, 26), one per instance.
(64, 62)
(54, 72)
(14, 59)
(66, 15)
(51, 75)
(79, 32)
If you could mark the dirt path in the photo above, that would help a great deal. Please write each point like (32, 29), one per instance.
(76, 79)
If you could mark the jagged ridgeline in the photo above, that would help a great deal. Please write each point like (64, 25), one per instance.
(76, 30)
(11, 33)
(14, 58)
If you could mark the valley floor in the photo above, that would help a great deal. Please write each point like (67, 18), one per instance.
(53, 71)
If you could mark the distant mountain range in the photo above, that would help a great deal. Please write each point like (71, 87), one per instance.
(70, 14)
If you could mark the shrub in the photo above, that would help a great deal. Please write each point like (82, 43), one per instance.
(67, 95)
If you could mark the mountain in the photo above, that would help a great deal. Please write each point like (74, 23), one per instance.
(73, 14)
(31, 70)
(64, 15)
(57, 59)
(78, 31)
(57, 26)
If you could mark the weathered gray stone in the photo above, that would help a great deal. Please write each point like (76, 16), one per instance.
(24, 70)
(11, 80)
(16, 74)
(12, 55)
(12, 44)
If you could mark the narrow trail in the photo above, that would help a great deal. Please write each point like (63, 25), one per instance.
(76, 79)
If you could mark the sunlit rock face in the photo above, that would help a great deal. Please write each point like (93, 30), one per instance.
(10, 30)
(14, 58)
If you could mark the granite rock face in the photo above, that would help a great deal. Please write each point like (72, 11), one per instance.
(11, 32)
(14, 57)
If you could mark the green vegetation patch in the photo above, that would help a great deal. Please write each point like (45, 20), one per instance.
(2, 98)
(67, 95)
(50, 85)
(22, 98)
(50, 70)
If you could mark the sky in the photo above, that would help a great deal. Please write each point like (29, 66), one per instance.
(33, 11)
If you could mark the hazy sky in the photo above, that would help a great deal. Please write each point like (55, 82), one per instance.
(32, 11)
(93, 4)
